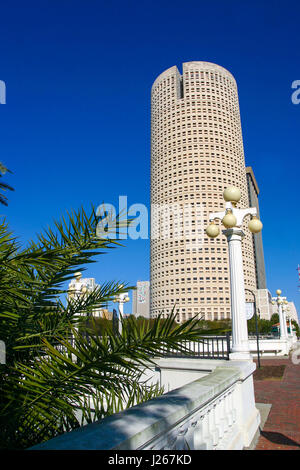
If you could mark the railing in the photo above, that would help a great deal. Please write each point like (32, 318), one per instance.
(261, 336)
(210, 347)
(210, 428)
(214, 412)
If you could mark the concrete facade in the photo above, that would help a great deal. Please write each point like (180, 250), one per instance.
(253, 193)
(196, 152)
(264, 304)
(293, 312)
(141, 299)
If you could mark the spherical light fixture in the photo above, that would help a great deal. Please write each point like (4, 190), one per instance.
(229, 220)
(255, 225)
(232, 194)
(127, 299)
(278, 292)
(212, 231)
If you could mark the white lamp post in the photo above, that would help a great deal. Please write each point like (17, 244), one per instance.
(281, 312)
(121, 299)
(290, 324)
(286, 310)
(232, 218)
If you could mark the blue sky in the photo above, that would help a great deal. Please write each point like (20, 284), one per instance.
(76, 126)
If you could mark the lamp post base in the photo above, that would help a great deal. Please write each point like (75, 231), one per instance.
(240, 356)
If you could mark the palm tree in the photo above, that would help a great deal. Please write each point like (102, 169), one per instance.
(55, 378)
(4, 186)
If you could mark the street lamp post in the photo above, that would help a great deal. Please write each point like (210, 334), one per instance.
(290, 325)
(256, 327)
(286, 310)
(232, 218)
(121, 299)
(281, 312)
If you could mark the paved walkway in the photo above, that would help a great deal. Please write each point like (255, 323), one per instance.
(282, 428)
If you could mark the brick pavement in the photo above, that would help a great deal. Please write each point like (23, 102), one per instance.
(282, 428)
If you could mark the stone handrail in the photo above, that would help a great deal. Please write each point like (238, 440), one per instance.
(214, 412)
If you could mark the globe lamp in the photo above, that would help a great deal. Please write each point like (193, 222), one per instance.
(212, 230)
(255, 225)
(232, 194)
(229, 220)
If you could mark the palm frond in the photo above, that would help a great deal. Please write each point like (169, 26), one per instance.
(4, 186)
(58, 372)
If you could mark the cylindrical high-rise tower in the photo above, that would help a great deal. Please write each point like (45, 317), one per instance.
(196, 152)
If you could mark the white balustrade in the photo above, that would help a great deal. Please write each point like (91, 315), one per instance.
(212, 413)
(207, 429)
